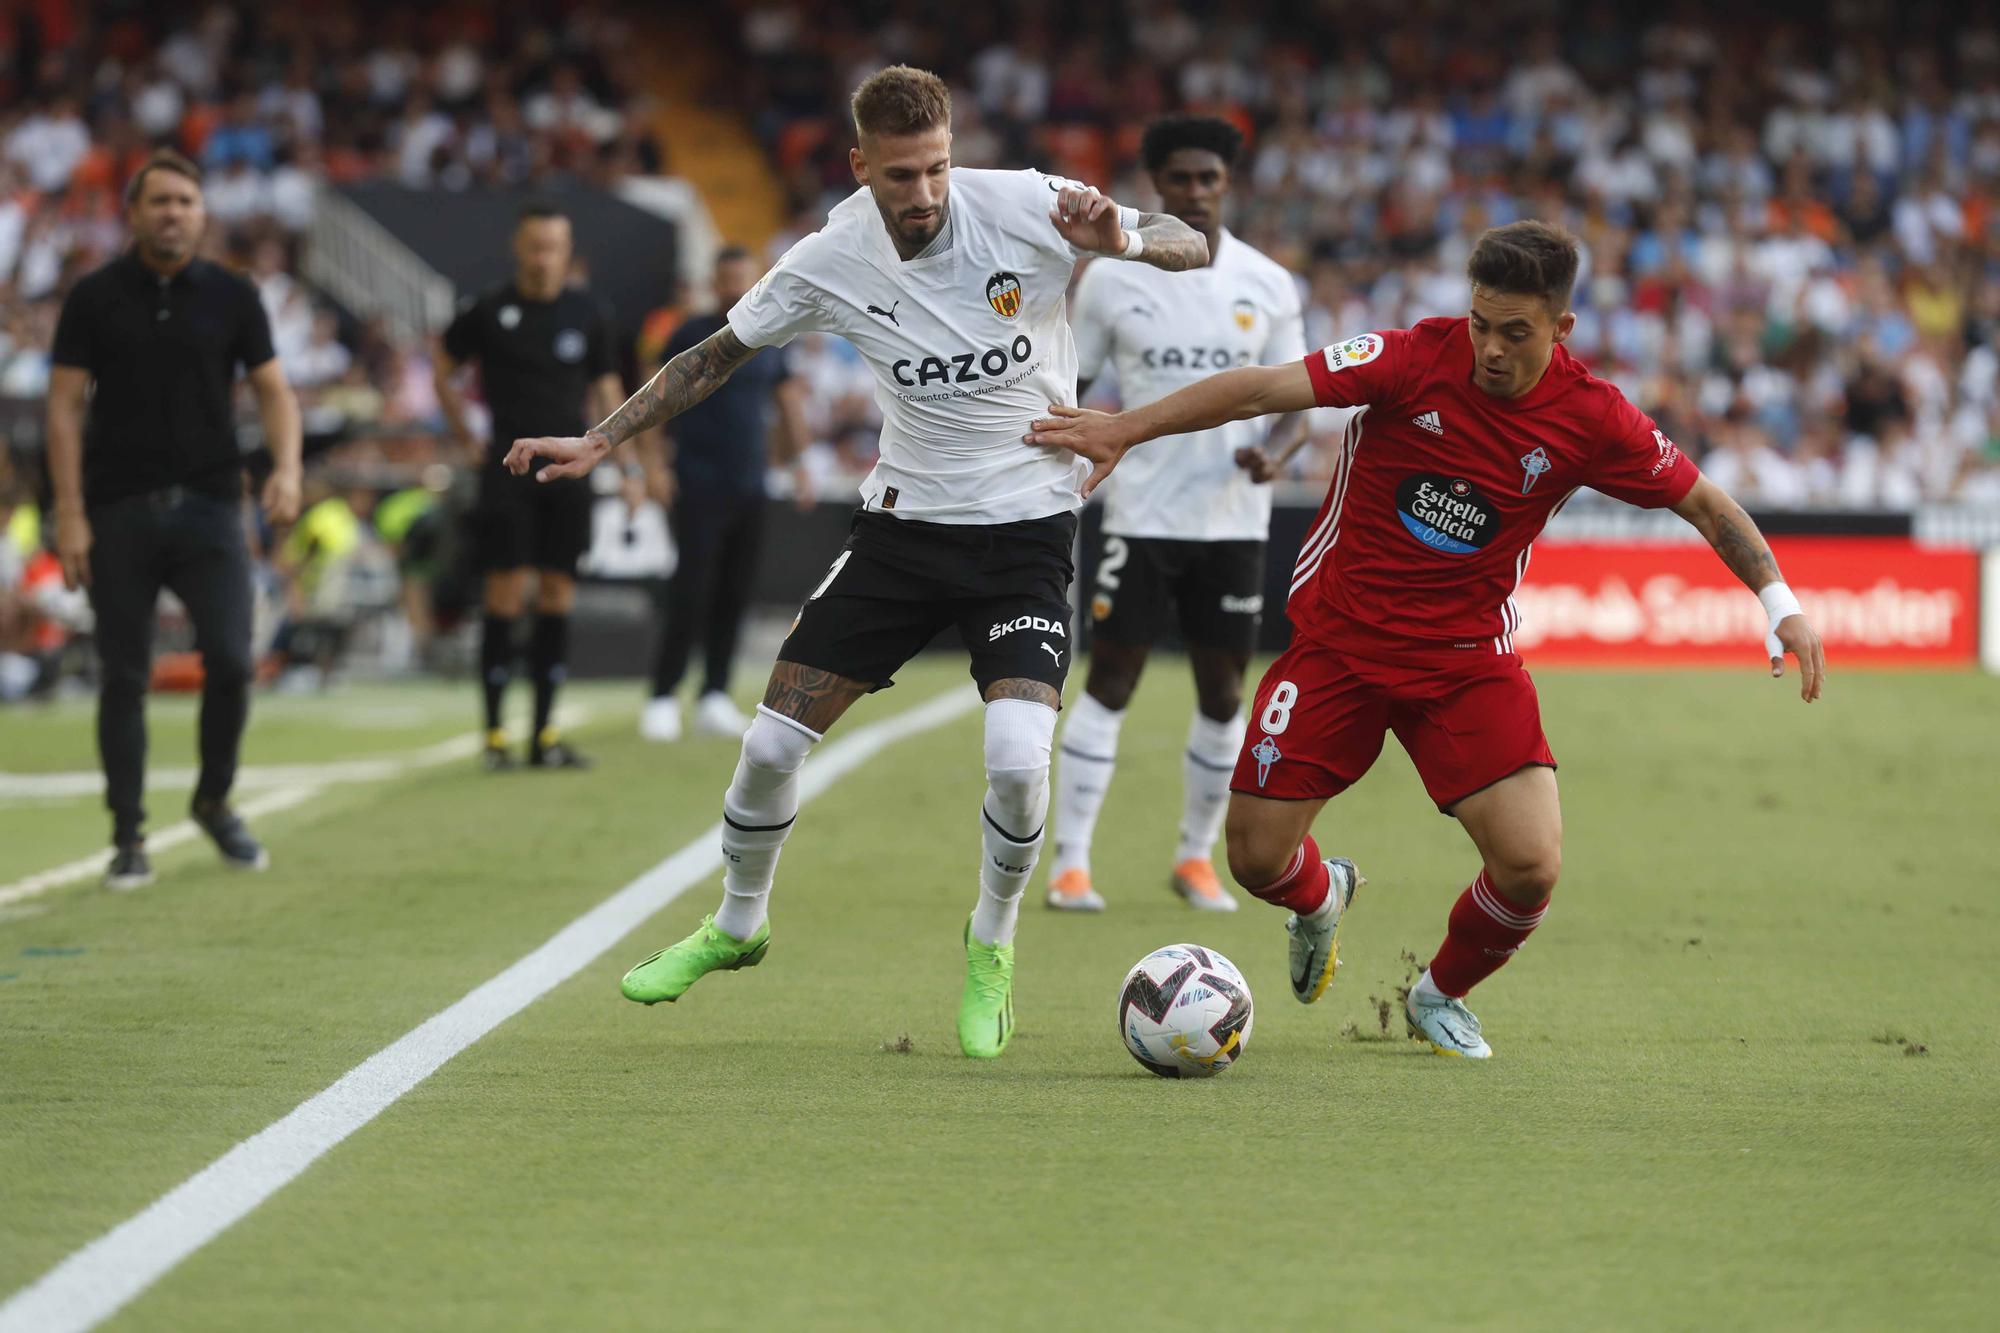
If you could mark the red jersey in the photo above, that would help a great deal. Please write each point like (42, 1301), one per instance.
(1441, 488)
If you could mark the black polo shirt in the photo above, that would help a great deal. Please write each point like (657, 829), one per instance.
(163, 353)
(536, 358)
(719, 442)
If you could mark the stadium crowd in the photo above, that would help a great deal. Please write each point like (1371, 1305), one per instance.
(1792, 248)
(275, 103)
(1792, 253)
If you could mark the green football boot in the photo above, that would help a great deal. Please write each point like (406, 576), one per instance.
(668, 973)
(986, 1010)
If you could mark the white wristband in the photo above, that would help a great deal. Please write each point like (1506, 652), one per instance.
(1778, 603)
(1135, 246)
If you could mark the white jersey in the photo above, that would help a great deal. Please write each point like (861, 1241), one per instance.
(1164, 331)
(969, 344)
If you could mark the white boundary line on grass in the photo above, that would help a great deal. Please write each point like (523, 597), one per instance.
(90, 782)
(292, 784)
(98, 1280)
(84, 867)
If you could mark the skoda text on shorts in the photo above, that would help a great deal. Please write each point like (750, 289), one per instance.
(950, 282)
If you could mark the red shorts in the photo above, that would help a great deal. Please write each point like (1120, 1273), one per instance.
(1467, 722)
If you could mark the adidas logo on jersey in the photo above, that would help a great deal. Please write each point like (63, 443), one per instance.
(1430, 422)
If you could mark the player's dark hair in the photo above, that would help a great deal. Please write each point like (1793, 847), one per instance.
(160, 159)
(1169, 134)
(536, 210)
(1526, 258)
(901, 100)
(730, 254)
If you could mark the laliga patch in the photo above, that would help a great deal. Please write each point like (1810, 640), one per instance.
(1354, 352)
(1446, 513)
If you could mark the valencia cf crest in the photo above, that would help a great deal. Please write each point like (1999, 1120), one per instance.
(1246, 314)
(1003, 293)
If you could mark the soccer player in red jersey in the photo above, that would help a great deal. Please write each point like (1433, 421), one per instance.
(1474, 431)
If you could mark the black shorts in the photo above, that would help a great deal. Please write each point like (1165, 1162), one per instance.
(1217, 589)
(521, 523)
(900, 582)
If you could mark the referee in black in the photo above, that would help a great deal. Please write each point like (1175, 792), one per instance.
(545, 356)
(149, 494)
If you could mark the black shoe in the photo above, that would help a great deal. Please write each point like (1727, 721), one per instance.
(556, 754)
(239, 850)
(129, 868)
(496, 759)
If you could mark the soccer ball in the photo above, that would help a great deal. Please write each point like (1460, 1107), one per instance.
(1184, 1012)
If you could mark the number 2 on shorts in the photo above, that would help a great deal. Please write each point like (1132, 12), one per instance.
(1277, 714)
(1116, 553)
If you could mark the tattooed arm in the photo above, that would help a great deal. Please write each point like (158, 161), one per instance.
(1090, 221)
(1722, 522)
(1731, 532)
(1170, 243)
(681, 383)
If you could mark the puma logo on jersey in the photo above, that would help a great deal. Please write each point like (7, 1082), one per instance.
(889, 314)
(1431, 422)
(1049, 648)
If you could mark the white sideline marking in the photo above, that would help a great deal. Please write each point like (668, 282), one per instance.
(42, 786)
(99, 1279)
(90, 782)
(84, 867)
(294, 785)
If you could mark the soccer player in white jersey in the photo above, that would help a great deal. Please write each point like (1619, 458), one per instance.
(950, 282)
(1184, 531)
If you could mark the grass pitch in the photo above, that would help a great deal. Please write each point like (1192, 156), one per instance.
(1746, 1075)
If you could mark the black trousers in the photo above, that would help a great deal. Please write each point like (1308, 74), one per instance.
(193, 544)
(718, 533)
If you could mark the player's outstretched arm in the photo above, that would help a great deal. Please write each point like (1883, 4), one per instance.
(1103, 438)
(1722, 522)
(681, 383)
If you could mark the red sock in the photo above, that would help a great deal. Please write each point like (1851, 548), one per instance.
(1484, 932)
(1303, 886)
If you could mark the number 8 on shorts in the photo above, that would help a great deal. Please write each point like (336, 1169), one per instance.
(1277, 714)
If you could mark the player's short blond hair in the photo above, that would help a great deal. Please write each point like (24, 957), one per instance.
(901, 100)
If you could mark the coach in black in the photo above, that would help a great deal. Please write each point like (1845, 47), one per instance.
(150, 493)
(716, 450)
(544, 349)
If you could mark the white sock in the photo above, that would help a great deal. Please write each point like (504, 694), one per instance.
(757, 815)
(1206, 767)
(1083, 775)
(1426, 989)
(1018, 738)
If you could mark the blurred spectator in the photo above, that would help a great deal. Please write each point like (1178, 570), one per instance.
(275, 105)
(1788, 251)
